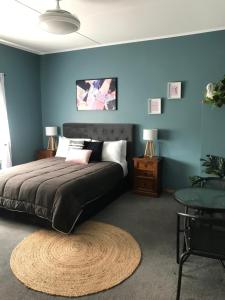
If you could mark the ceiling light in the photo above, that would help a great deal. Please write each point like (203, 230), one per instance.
(59, 21)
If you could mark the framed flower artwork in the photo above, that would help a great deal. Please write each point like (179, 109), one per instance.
(154, 106)
(174, 90)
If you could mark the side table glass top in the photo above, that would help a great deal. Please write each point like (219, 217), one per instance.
(202, 198)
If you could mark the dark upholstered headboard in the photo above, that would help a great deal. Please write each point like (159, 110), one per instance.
(101, 131)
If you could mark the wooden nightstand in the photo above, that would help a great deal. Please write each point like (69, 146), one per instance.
(147, 175)
(45, 153)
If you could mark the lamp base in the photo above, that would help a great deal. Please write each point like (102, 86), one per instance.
(52, 144)
(149, 149)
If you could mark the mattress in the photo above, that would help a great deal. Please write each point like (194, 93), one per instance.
(57, 190)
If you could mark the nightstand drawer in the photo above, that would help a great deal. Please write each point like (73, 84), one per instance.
(144, 173)
(147, 176)
(41, 156)
(144, 165)
(144, 184)
(45, 153)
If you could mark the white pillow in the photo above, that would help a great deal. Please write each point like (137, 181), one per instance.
(111, 151)
(62, 148)
(116, 151)
(124, 150)
(78, 140)
(76, 143)
(78, 156)
(66, 143)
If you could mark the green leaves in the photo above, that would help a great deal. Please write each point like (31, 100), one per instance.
(214, 165)
(218, 98)
(196, 180)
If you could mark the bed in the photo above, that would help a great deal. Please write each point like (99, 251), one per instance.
(62, 192)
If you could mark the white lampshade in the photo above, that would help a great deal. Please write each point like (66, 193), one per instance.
(59, 22)
(150, 134)
(51, 131)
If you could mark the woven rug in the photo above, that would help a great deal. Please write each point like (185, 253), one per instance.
(96, 257)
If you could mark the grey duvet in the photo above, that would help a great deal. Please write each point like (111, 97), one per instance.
(56, 190)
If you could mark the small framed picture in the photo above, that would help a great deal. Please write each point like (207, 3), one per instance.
(174, 90)
(154, 106)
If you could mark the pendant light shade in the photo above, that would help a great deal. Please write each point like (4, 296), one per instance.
(59, 21)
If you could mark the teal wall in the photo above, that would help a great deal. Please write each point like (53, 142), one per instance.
(188, 129)
(22, 84)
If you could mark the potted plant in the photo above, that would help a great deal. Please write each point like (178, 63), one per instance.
(215, 166)
(215, 93)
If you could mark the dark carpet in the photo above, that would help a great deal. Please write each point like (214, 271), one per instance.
(152, 222)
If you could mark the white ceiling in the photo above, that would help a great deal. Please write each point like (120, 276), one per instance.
(108, 22)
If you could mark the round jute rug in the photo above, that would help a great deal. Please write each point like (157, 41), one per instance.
(96, 257)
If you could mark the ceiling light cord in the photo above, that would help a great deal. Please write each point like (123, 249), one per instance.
(57, 5)
(90, 39)
(27, 6)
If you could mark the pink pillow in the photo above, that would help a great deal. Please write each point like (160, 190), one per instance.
(78, 156)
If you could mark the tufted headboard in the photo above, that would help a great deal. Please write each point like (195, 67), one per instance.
(101, 131)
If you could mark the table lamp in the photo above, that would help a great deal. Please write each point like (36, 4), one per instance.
(51, 132)
(150, 135)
